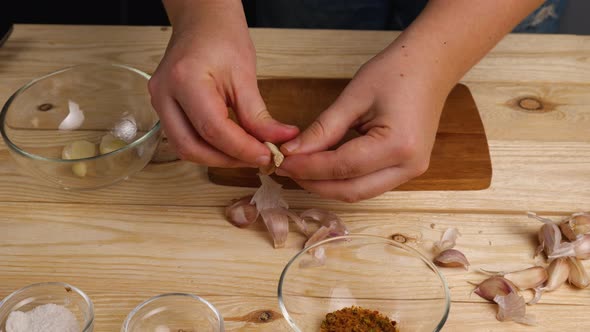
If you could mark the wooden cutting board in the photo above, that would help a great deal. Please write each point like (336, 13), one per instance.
(460, 157)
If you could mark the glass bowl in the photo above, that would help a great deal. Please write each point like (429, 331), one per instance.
(174, 312)
(365, 271)
(82, 127)
(34, 296)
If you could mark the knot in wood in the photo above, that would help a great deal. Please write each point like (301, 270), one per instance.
(265, 316)
(400, 238)
(44, 107)
(530, 104)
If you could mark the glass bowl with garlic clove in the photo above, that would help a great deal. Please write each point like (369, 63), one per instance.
(360, 280)
(82, 127)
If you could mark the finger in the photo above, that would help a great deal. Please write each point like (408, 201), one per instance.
(330, 126)
(208, 113)
(189, 146)
(255, 118)
(374, 151)
(360, 188)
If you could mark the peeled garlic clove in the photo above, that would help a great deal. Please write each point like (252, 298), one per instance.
(451, 258)
(110, 143)
(512, 307)
(532, 277)
(241, 213)
(277, 155)
(494, 286)
(558, 272)
(79, 150)
(447, 240)
(578, 275)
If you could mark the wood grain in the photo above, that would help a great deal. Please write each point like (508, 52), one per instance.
(124, 254)
(163, 229)
(460, 136)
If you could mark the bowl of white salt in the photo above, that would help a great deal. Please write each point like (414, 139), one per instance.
(47, 307)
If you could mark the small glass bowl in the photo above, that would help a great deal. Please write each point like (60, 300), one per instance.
(92, 103)
(366, 271)
(174, 312)
(59, 293)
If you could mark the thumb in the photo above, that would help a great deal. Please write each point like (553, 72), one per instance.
(255, 118)
(327, 129)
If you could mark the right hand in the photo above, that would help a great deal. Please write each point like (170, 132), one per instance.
(210, 64)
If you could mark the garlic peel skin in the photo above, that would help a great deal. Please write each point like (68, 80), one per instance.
(447, 241)
(513, 307)
(580, 249)
(494, 286)
(241, 213)
(529, 278)
(74, 119)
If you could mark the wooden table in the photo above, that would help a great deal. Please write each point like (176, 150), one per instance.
(163, 230)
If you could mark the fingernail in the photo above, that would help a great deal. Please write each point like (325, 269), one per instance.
(291, 127)
(291, 146)
(263, 160)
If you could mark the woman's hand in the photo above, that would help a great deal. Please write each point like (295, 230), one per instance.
(210, 64)
(395, 109)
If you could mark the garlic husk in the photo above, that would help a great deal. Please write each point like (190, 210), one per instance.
(512, 307)
(447, 241)
(451, 258)
(558, 271)
(241, 213)
(328, 219)
(580, 249)
(578, 275)
(538, 293)
(268, 195)
(74, 119)
(277, 223)
(494, 286)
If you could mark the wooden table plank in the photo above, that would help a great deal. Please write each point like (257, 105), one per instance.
(145, 250)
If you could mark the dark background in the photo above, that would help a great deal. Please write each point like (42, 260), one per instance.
(151, 12)
(98, 12)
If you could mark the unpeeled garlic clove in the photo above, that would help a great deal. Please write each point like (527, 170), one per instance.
(241, 213)
(494, 286)
(558, 272)
(580, 223)
(549, 239)
(277, 223)
(451, 258)
(578, 275)
(532, 277)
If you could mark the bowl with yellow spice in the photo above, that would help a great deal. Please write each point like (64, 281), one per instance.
(362, 283)
(82, 127)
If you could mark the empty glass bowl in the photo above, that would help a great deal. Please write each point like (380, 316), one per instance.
(82, 127)
(174, 312)
(365, 271)
(32, 297)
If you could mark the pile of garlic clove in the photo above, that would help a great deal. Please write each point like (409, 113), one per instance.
(268, 203)
(565, 243)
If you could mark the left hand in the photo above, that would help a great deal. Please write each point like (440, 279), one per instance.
(396, 108)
